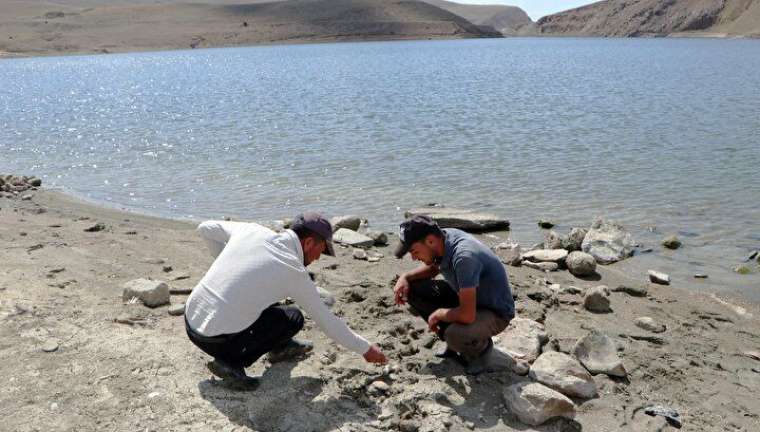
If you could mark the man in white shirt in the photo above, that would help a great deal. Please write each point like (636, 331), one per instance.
(234, 314)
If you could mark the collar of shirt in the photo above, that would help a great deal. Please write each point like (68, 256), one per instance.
(445, 260)
(291, 237)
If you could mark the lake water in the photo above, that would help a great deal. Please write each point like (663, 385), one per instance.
(653, 133)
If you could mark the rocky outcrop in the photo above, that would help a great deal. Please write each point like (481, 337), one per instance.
(634, 18)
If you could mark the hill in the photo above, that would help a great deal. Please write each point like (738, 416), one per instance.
(508, 20)
(631, 18)
(83, 26)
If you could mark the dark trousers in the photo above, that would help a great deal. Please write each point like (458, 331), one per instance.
(470, 340)
(275, 327)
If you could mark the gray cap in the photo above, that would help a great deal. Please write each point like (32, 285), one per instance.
(317, 224)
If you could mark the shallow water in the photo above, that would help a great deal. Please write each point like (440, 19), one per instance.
(653, 133)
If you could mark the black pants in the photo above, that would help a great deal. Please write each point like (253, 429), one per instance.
(428, 295)
(275, 327)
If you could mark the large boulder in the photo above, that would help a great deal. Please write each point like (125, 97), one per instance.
(597, 299)
(598, 353)
(546, 255)
(574, 240)
(465, 220)
(535, 404)
(563, 373)
(608, 242)
(348, 222)
(151, 293)
(580, 263)
(523, 339)
(348, 237)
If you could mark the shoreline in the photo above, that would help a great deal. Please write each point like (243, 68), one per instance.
(124, 366)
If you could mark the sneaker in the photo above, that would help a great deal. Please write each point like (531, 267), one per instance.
(292, 350)
(232, 376)
(481, 363)
(451, 354)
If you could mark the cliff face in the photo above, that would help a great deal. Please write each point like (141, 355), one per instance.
(631, 18)
(508, 20)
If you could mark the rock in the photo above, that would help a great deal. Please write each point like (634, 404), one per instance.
(95, 228)
(597, 299)
(743, 270)
(659, 278)
(151, 293)
(327, 298)
(552, 240)
(180, 290)
(535, 404)
(607, 242)
(360, 254)
(671, 242)
(649, 324)
(546, 255)
(461, 219)
(635, 291)
(543, 266)
(352, 238)
(167, 269)
(754, 255)
(509, 253)
(177, 309)
(380, 238)
(156, 261)
(754, 355)
(408, 426)
(564, 344)
(564, 374)
(598, 353)
(574, 240)
(181, 276)
(523, 339)
(378, 388)
(580, 263)
(545, 224)
(671, 416)
(35, 182)
(26, 197)
(50, 346)
(350, 222)
(700, 276)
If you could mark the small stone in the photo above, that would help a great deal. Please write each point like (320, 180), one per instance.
(380, 238)
(181, 276)
(54, 406)
(350, 222)
(580, 264)
(95, 228)
(700, 276)
(671, 242)
(35, 182)
(378, 388)
(658, 277)
(597, 299)
(180, 290)
(360, 254)
(574, 240)
(26, 197)
(156, 261)
(632, 290)
(50, 346)
(743, 270)
(167, 269)
(150, 292)
(154, 395)
(545, 224)
(649, 324)
(598, 353)
(535, 404)
(177, 309)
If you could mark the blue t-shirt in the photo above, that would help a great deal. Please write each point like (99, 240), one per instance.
(469, 263)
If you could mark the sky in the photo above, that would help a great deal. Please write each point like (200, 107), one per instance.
(535, 8)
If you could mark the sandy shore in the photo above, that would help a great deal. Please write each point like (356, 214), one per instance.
(117, 366)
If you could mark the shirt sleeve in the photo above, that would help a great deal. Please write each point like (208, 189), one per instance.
(216, 234)
(307, 297)
(467, 269)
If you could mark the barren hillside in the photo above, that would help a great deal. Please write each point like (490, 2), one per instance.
(508, 20)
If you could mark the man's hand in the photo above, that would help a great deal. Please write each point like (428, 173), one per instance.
(374, 355)
(435, 318)
(401, 290)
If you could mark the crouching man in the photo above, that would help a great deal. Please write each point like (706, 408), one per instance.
(234, 315)
(474, 301)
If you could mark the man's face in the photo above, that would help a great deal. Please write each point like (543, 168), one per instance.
(423, 251)
(312, 248)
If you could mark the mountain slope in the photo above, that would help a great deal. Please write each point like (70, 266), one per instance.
(127, 25)
(508, 20)
(632, 18)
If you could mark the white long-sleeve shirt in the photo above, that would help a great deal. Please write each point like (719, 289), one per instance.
(256, 267)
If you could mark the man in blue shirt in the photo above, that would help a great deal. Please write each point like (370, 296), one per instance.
(471, 304)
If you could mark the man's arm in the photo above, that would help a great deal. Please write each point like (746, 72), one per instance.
(463, 314)
(401, 289)
(216, 234)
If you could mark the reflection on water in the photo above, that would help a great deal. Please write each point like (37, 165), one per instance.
(649, 132)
